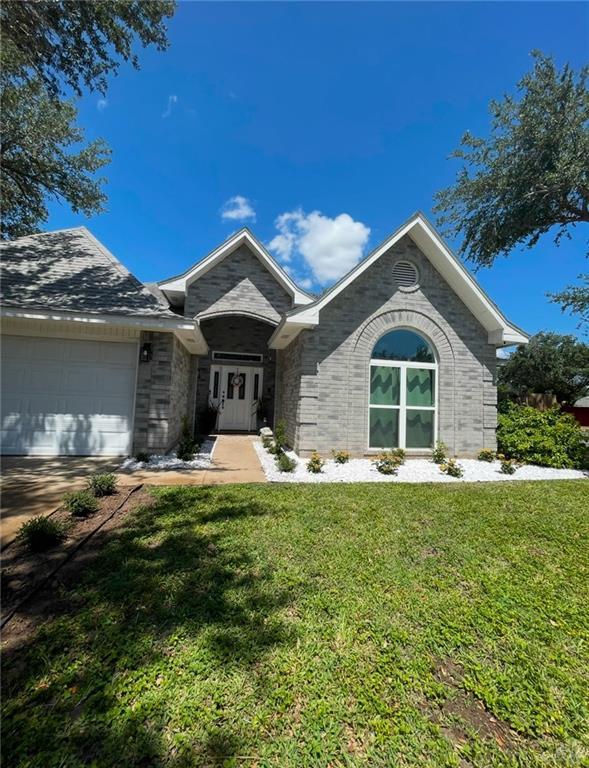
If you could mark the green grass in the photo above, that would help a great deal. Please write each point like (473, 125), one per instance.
(310, 626)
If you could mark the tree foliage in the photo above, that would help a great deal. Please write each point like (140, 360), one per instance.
(52, 48)
(531, 175)
(72, 43)
(551, 364)
(575, 299)
(43, 157)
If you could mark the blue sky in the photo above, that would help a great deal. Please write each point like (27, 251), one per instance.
(322, 126)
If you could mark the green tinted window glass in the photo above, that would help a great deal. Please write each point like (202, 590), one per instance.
(420, 429)
(384, 385)
(384, 427)
(420, 386)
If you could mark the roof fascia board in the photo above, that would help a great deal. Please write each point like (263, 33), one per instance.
(181, 282)
(187, 330)
(457, 276)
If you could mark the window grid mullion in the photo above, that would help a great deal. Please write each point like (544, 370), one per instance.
(403, 406)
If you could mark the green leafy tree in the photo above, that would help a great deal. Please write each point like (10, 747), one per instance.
(550, 364)
(42, 159)
(530, 176)
(74, 43)
(52, 48)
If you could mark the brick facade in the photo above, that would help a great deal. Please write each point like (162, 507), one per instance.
(320, 382)
(163, 394)
(331, 362)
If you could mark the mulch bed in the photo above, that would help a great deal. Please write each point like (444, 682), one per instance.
(26, 575)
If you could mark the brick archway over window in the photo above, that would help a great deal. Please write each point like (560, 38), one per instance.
(358, 372)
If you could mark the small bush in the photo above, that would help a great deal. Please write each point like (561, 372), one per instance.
(142, 457)
(547, 438)
(41, 533)
(452, 467)
(440, 453)
(315, 463)
(102, 485)
(285, 463)
(341, 457)
(486, 454)
(270, 445)
(80, 503)
(388, 463)
(280, 435)
(399, 455)
(187, 446)
(508, 466)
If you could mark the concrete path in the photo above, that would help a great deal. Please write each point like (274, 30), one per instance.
(234, 461)
(34, 486)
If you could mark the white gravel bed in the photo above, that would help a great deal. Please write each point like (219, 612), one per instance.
(413, 471)
(161, 462)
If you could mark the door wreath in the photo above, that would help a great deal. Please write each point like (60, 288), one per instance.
(237, 380)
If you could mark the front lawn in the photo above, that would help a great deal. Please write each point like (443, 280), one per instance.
(362, 625)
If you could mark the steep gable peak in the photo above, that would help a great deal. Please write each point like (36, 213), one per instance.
(176, 286)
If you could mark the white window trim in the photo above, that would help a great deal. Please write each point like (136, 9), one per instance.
(403, 407)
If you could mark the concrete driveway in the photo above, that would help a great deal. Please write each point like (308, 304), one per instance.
(33, 486)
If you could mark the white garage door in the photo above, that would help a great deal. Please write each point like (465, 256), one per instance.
(67, 397)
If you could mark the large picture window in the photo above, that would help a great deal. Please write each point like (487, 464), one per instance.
(403, 392)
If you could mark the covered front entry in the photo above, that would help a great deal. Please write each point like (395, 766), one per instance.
(235, 393)
(236, 381)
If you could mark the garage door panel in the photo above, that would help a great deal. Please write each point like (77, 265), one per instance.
(63, 396)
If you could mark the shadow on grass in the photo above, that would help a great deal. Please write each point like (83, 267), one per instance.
(176, 575)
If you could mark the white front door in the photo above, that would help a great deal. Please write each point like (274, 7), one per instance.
(235, 391)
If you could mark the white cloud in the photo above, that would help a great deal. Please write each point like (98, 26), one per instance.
(238, 208)
(172, 101)
(330, 247)
(101, 104)
(306, 283)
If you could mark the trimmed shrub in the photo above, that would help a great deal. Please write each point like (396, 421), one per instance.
(486, 454)
(285, 463)
(102, 485)
(547, 438)
(440, 453)
(452, 467)
(315, 463)
(280, 435)
(399, 455)
(508, 466)
(142, 456)
(341, 457)
(80, 503)
(187, 446)
(388, 462)
(40, 533)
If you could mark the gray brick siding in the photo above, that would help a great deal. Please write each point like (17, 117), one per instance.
(332, 361)
(163, 394)
(237, 334)
(240, 283)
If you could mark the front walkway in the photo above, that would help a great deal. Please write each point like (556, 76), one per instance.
(34, 486)
(234, 461)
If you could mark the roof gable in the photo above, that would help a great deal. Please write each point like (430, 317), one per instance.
(500, 331)
(178, 285)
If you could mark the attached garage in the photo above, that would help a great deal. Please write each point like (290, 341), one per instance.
(63, 396)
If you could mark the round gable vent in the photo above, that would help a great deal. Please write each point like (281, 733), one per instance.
(405, 274)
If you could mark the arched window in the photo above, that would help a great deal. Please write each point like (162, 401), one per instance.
(403, 392)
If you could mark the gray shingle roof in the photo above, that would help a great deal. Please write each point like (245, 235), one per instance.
(70, 270)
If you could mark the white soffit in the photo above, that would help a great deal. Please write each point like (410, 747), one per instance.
(501, 332)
